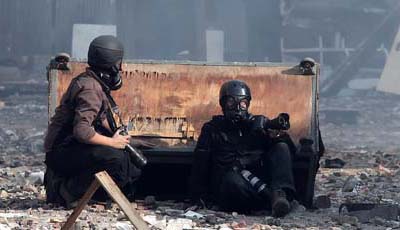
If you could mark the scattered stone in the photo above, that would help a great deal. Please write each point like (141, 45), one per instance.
(174, 212)
(394, 224)
(378, 221)
(337, 174)
(24, 208)
(322, 201)
(191, 214)
(124, 225)
(97, 207)
(36, 146)
(3, 194)
(350, 183)
(366, 212)
(385, 171)
(269, 220)
(180, 223)
(78, 225)
(334, 163)
(239, 225)
(297, 207)
(347, 225)
(30, 188)
(345, 219)
(12, 136)
(364, 176)
(212, 219)
(56, 220)
(15, 164)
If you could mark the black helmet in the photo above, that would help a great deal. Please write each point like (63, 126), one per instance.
(234, 98)
(105, 51)
(105, 59)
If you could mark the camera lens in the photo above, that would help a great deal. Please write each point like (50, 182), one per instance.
(137, 157)
(254, 181)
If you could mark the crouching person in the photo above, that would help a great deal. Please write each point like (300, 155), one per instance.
(79, 141)
(238, 165)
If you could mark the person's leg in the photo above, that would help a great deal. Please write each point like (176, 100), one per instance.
(69, 158)
(116, 162)
(119, 166)
(236, 194)
(79, 162)
(277, 165)
(67, 175)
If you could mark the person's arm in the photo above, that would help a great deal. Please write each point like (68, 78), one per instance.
(199, 178)
(117, 141)
(88, 103)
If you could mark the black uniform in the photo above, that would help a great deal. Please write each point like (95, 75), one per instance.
(224, 149)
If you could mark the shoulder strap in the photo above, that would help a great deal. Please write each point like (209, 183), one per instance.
(113, 105)
(113, 110)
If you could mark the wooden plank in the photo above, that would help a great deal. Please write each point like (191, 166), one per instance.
(116, 194)
(81, 205)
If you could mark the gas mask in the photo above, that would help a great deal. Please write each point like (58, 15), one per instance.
(234, 99)
(111, 77)
(235, 108)
(104, 58)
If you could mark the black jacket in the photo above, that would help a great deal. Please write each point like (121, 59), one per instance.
(221, 146)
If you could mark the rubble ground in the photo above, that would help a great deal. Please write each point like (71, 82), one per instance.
(368, 145)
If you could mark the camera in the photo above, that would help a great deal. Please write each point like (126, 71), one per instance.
(256, 183)
(138, 159)
(260, 122)
(281, 122)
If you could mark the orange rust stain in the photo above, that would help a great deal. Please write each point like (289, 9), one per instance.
(191, 92)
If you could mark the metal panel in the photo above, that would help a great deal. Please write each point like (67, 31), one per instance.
(173, 100)
(25, 26)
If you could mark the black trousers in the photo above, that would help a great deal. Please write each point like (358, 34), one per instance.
(237, 194)
(79, 162)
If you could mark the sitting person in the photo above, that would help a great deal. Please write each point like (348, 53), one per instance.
(237, 161)
(80, 140)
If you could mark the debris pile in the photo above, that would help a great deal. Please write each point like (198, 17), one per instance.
(366, 171)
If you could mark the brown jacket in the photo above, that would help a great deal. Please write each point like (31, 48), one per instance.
(79, 107)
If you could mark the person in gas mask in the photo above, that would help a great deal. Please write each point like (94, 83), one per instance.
(79, 140)
(238, 165)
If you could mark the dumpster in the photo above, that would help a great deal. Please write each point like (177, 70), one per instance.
(167, 103)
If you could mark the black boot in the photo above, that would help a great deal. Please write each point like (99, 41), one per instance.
(52, 183)
(70, 201)
(280, 204)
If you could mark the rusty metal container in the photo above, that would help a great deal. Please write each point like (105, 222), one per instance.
(168, 102)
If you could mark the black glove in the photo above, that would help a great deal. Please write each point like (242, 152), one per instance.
(258, 122)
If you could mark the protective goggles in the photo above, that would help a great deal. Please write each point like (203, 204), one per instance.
(233, 103)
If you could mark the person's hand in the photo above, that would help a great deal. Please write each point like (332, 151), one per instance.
(258, 122)
(119, 141)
